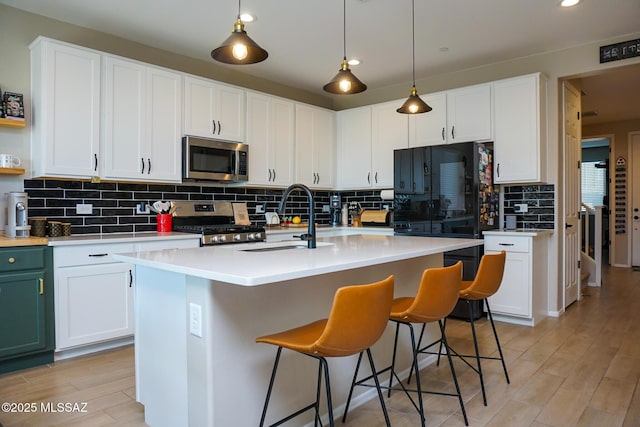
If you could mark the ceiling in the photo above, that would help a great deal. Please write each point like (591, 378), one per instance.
(304, 38)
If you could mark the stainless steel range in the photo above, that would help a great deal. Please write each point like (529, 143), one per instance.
(214, 221)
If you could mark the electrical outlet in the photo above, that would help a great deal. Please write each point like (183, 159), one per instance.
(259, 209)
(195, 319)
(326, 208)
(84, 209)
(142, 208)
(521, 207)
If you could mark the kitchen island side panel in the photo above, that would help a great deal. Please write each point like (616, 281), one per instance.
(227, 372)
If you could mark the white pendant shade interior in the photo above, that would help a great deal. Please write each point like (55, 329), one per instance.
(345, 82)
(239, 48)
(414, 104)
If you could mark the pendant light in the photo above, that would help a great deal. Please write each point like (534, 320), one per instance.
(239, 48)
(345, 82)
(414, 104)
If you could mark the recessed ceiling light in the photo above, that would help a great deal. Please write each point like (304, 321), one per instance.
(245, 17)
(569, 3)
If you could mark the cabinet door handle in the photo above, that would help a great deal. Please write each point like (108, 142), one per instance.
(149, 164)
(498, 169)
(95, 162)
(11, 260)
(453, 135)
(41, 286)
(443, 134)
(98, 255)
(269, 170)
(214, 126)
(369, 178)
(376, 177)
(141, 165)
(130, 278)
(505, 244)
(219, 127)
(274, 175)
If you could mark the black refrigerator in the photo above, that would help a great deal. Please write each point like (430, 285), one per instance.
(447, 191)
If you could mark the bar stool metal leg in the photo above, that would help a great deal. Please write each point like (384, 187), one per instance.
(495, 334)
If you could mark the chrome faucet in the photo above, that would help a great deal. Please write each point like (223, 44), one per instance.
(310, 237)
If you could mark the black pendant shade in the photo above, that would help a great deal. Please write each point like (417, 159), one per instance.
(345, 82)
(239, 48)
(414, 104)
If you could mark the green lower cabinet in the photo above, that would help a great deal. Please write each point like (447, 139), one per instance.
(26, 307)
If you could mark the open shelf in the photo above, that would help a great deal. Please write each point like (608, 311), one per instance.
(9, 123)
(11, 171)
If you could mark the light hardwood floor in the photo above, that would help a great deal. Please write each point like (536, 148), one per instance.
(581, 369)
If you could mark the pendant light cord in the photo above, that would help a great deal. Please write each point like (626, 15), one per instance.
(344, 28)
(239, 9)
(413, 39)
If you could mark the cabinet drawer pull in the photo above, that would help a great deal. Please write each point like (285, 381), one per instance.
(97, 255)
(12, 260)
(506, 244)
(41, 286)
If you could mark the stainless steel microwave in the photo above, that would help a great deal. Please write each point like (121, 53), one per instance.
(205, 159)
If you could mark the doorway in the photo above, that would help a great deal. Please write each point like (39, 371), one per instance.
(634, 215)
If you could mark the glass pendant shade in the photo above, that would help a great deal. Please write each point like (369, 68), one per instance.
(345, 82)
(239, 48)
(414, 104)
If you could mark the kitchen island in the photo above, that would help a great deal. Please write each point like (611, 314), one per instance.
(198, 312)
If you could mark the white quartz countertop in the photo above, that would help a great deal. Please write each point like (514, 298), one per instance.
(232, 264)
(92, 239)
(533, 232)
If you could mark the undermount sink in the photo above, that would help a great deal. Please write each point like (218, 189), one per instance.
(275, 246)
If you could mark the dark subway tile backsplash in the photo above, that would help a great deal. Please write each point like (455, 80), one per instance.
(540, 201)
(114, 203)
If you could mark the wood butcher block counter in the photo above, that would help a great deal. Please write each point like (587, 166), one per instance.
(8, 242)
(198, 312)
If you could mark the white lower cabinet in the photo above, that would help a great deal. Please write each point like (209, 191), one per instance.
(522, 297)
(97, 301)
(94, 293)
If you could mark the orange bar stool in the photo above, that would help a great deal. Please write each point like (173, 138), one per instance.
(486, 283)
(357, 319)
(436, 298)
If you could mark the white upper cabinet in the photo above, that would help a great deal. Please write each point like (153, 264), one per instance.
(354, 148)
(469, 113)
(389, 131)
(142, 117)
(65, 89)
(367, 137)
(270, 135)
(429, 128)
(458, 115)
(520, 129)
(315, 146)
(214, 110)
(132, 133)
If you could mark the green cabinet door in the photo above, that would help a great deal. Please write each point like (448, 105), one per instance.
(22, 313)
